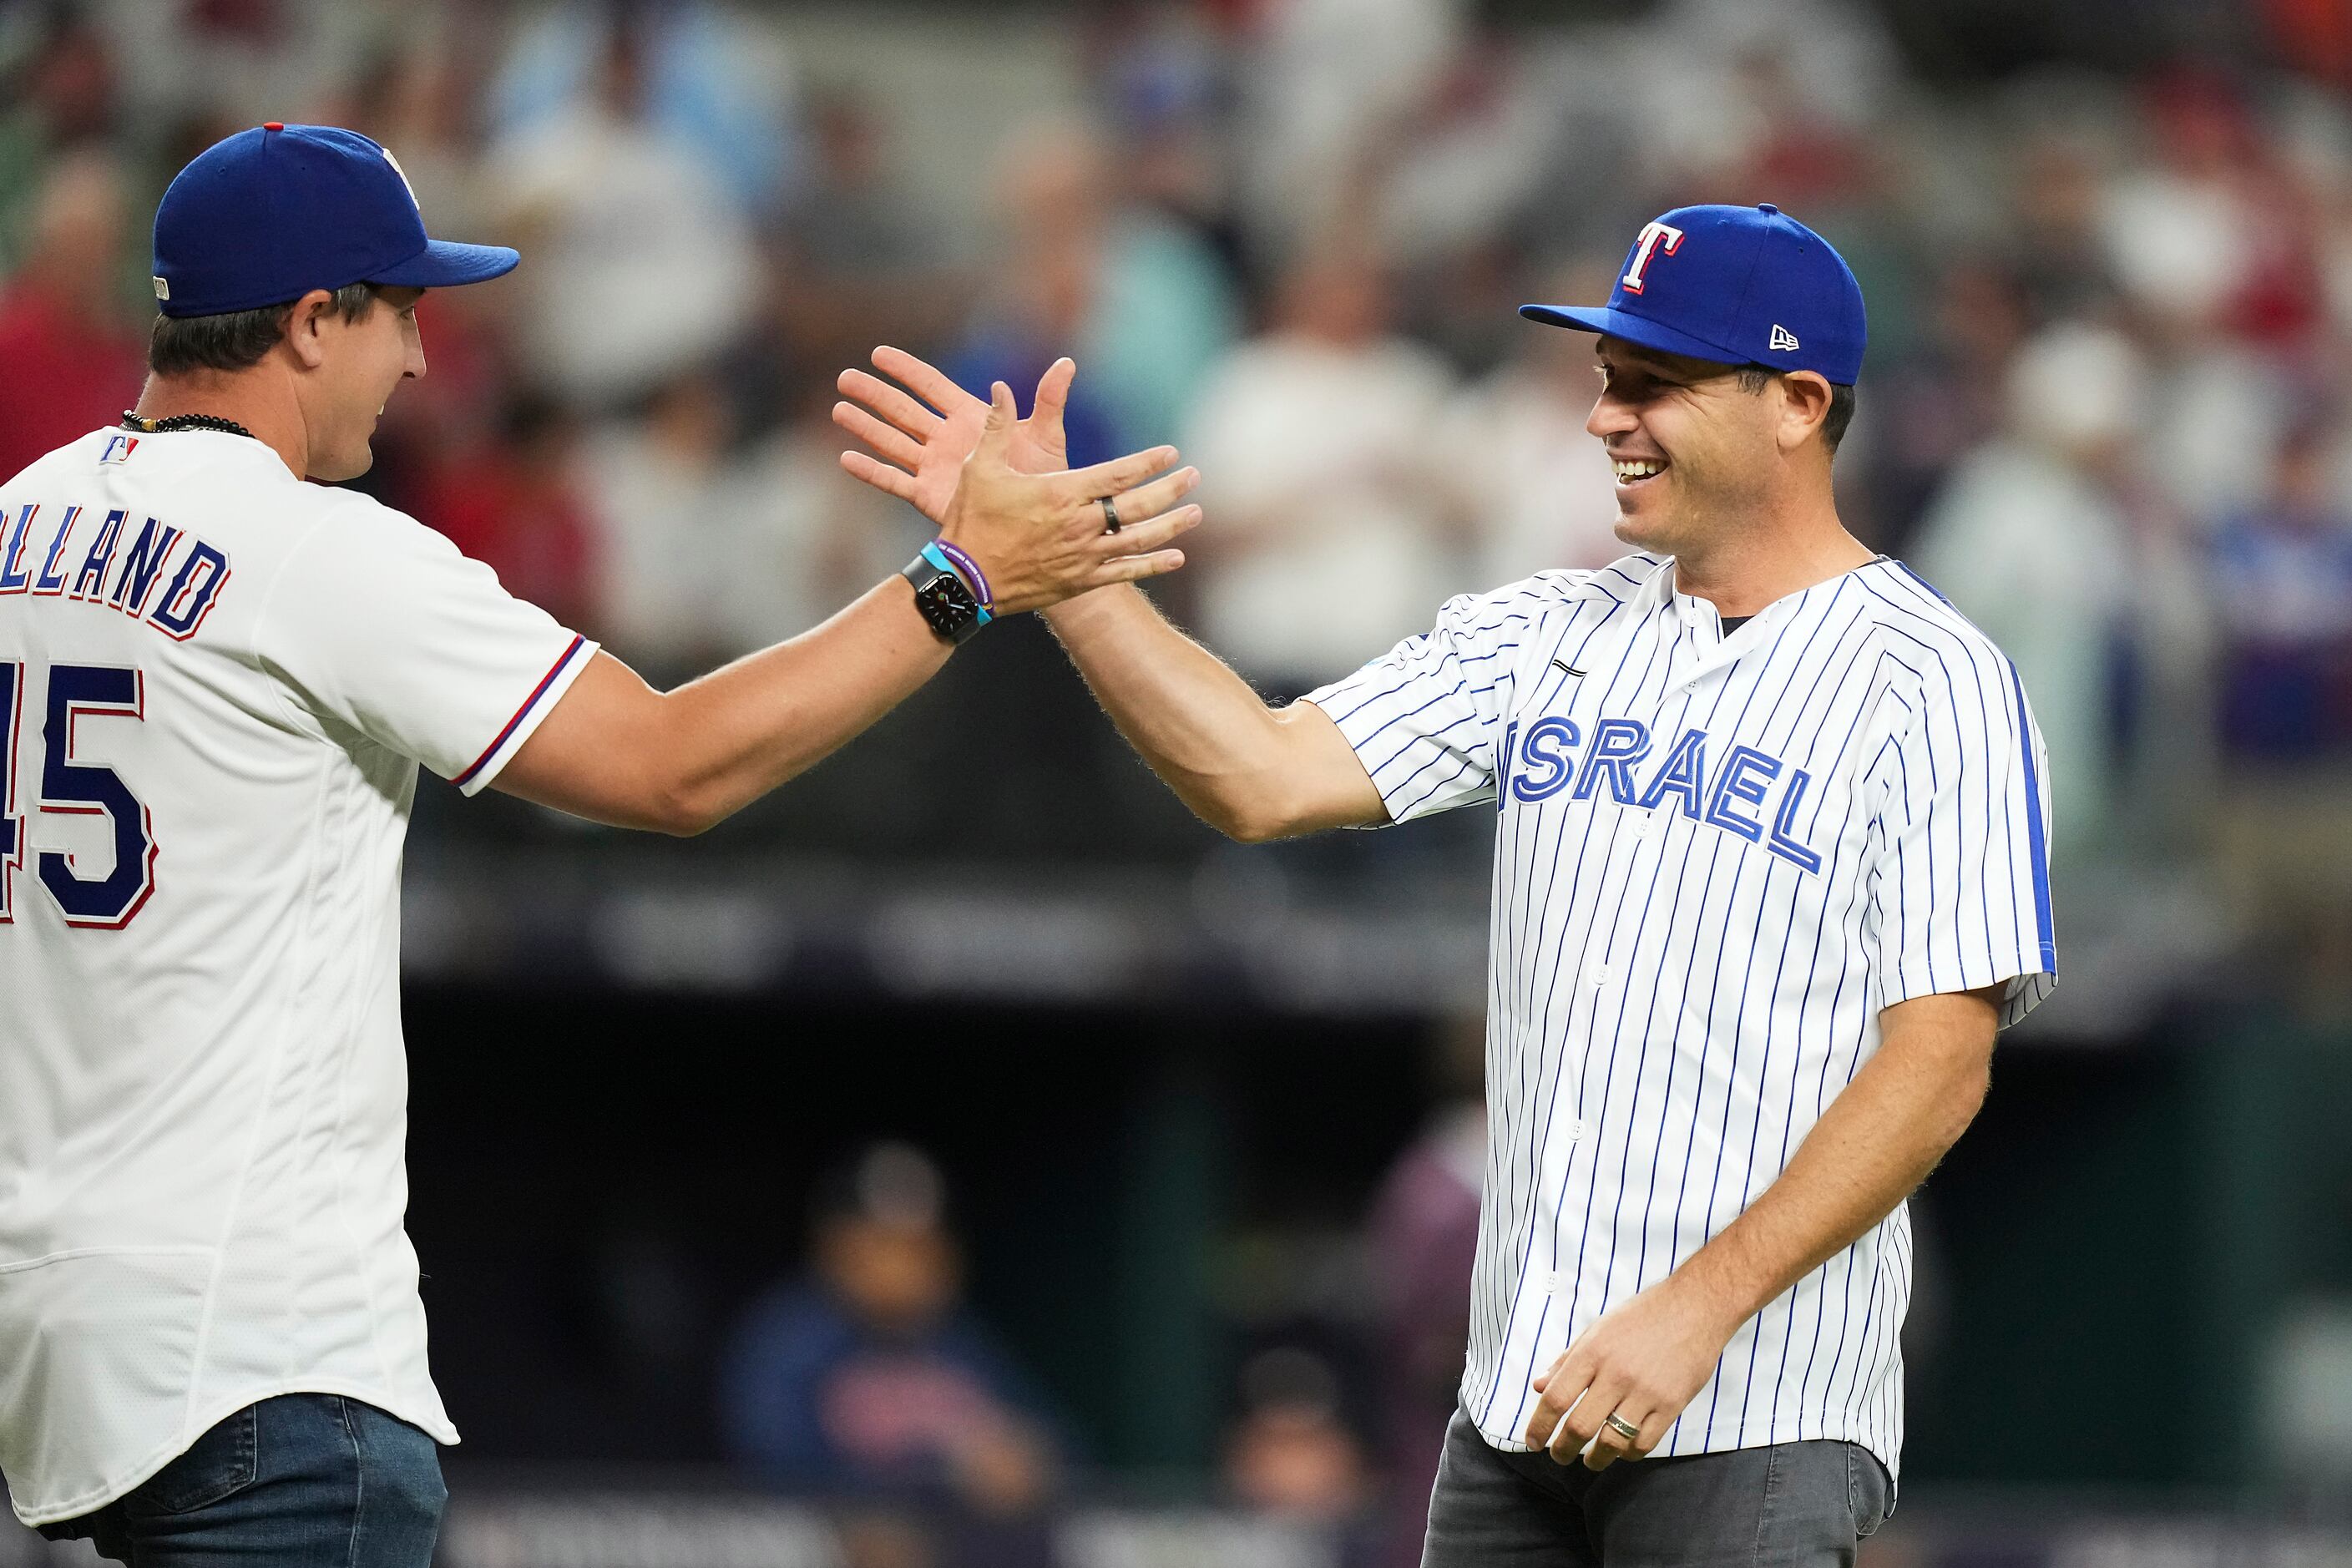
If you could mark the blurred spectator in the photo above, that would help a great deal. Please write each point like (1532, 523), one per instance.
(1325, 83)
(711, 549)
(1933, 406)
(869, 1380)
(1167, 79)
(642, 261)
(2282, 575)
(2058, 253)
(2031, 540)
(60, 96)
(1470, 159)
(1141, 301)
(515, 504)
(1423, 1239)
(2213, 231)
(70, 355)
(2282, 571)
(712, 82)
(1533, 487)
(806, 539)
(663, 487)
(1291, 1453)
(1318, 444)
(418, 99)
(228, 64)
(1731, 91)
(856, 263)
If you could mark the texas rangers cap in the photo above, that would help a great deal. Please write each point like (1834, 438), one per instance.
(270, 214)
(1737, 285)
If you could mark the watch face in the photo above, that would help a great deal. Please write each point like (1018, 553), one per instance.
(945, 603)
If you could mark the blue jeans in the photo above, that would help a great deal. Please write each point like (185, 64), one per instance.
(303, 1480)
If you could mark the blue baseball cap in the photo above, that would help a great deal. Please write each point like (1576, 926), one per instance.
(270, 214)
(1735, 285)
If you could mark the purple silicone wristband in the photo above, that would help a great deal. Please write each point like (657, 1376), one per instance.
(972, 575)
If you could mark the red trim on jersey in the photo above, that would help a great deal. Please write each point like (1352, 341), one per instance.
(528, 704)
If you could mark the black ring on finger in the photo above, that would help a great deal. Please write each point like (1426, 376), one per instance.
(1110, 516)
(1622, 1427)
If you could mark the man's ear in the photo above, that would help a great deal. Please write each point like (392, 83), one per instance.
(303, 324)
(1804, 403)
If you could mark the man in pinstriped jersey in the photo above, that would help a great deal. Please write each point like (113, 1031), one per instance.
(1769, 874)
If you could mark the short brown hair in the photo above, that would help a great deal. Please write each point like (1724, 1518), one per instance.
(1756, 378)
(236, 339)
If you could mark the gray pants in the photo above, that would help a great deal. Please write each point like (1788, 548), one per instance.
(1794, 1505)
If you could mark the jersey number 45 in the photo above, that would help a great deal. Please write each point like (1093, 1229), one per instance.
(72, 788)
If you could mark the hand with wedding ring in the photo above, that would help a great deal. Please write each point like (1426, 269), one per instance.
(1613, 1393)
(930, 433)
(1039, 538)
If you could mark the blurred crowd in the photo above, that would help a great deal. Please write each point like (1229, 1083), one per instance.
(2107, 408)
(2106, 403)
(866, 1381)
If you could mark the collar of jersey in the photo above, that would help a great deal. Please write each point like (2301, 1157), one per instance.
(1693, 611)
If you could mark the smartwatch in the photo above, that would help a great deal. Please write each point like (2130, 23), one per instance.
(946, 601)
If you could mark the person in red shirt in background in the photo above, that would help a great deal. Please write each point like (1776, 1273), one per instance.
(74, 357)
(515, 504)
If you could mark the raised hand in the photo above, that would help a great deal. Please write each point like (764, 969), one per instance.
(926, 437)
(1040, 537)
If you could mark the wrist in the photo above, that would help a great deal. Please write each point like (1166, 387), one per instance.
(974, 578)
(1711, 1291)
(944, 595)
(1075, 616)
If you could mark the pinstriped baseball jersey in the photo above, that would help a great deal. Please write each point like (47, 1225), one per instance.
(1717, 859)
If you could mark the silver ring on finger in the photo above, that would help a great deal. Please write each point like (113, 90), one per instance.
(1110, 516)
(1622, 1427)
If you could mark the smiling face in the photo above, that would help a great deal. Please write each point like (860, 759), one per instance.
(358, 365)
(1694, 452)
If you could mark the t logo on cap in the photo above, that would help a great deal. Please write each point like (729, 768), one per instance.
(1646, 246)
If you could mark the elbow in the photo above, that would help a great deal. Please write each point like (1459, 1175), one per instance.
(1964, 1101)
(1244, 828)
(683, 811)
(1251, 820)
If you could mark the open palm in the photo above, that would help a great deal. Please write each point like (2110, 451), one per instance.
(926, 437)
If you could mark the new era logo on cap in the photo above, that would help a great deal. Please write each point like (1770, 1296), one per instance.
(1733, 285)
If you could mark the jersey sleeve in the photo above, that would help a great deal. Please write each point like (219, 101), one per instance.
(1961, 884)
(378, 624)
(1423, 716)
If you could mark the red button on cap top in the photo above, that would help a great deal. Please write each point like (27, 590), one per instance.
(273, 125)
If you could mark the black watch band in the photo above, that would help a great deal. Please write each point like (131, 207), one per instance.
(944, 599)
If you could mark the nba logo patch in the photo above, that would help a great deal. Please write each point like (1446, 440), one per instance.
(118, 448)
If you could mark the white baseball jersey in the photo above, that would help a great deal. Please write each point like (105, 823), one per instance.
(217, 681)
(1717, 859)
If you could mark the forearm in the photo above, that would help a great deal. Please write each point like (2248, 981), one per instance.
(734, 734)
(1872, 1146)
(616, 750)
(1243, 767)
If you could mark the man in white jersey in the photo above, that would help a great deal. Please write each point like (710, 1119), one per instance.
(216, 682)
(1769, 873)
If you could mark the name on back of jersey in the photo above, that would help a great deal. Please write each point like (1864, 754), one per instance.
(153, 573)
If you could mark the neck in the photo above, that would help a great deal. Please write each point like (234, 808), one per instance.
(255, 398)
(1801, 545)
